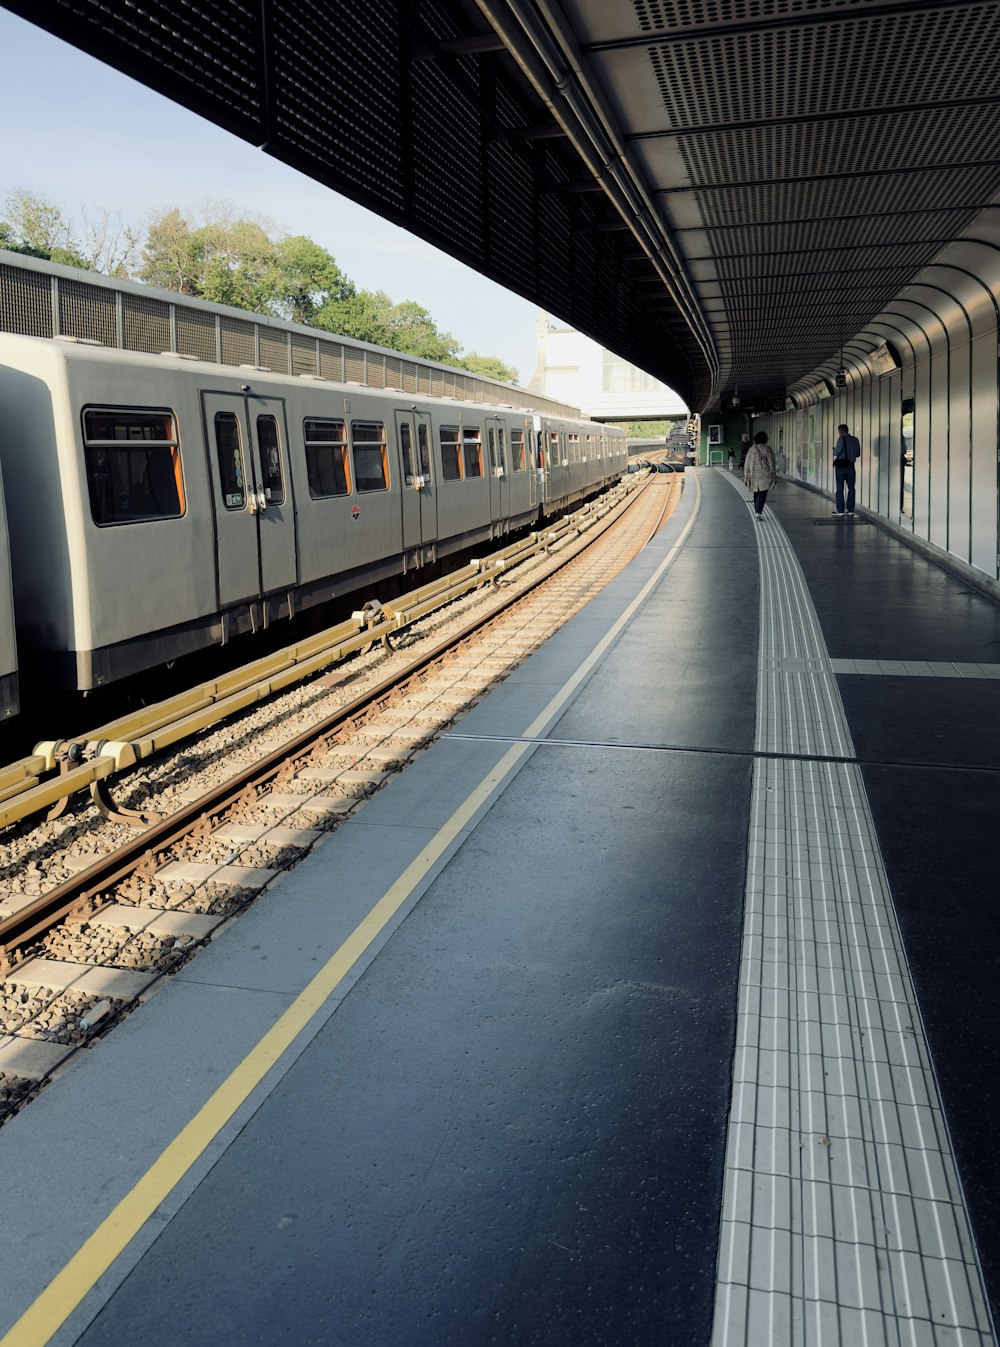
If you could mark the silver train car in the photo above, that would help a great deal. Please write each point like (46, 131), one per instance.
(159, 504)
(9, 688)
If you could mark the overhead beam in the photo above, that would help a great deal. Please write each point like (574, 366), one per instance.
(975, 207)
(822, 248)
(824, 272)
(846, 175)
(814, 118)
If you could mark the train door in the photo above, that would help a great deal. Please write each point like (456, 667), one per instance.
(406, 438)
(537, 464)
(499, 482)
(275, 507)
(523, 453)
(419, 507)
(254, 519)
(427, 490)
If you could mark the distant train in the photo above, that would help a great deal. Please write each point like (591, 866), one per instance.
(159, 504)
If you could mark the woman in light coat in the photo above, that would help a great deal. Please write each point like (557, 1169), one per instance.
(759, 472)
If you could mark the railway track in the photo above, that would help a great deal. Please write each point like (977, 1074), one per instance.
(92, 915)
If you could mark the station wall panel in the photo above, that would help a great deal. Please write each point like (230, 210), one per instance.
(939, 449)
(984, 485)
(960, 451)
(922, 432)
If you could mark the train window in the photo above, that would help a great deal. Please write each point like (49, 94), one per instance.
(451, 463)
(270, 459)
(406, 448)
(496, 447)
(554, 454)
(517, 449)
(423, 441)
(574, 449)
(232, 470)
(133, 465)
(472, 446)
(326, 457)
(368, 445)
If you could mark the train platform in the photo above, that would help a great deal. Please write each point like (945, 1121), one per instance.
(653, 1004)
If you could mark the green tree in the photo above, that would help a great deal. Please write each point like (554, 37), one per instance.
(37, 228)
(413, 330)
(35, 224)
(361, 314)
(110, 244)
(370, 315)
(167, 258)
(309, 279)
(647, 430)
(489, 367)
(225, 260)
(236, 263)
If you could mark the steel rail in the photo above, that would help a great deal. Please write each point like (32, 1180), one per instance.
(89, 759)
(83, 890)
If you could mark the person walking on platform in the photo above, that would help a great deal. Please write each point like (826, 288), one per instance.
(744, 450)
(846, 453)
(732, 458)
(760, 472)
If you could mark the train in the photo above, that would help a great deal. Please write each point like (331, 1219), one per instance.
(157, 504)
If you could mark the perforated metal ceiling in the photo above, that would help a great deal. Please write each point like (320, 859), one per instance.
(722, 191)
(808, 157)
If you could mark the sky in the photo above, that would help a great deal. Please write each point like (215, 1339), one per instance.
(78, 133)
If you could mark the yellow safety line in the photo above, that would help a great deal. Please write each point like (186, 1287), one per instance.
(50, 1310)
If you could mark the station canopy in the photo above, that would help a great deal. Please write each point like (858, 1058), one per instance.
(723, 192)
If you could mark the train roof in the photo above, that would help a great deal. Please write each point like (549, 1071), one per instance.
(38, 354)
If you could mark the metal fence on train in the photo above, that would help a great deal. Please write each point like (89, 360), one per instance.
(43, 299)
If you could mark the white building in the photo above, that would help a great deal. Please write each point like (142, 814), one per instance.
(572, 368)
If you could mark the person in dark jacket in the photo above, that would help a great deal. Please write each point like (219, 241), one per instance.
(846, 453)
(744, 450)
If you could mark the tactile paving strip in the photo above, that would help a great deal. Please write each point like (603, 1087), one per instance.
(843, 1219)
